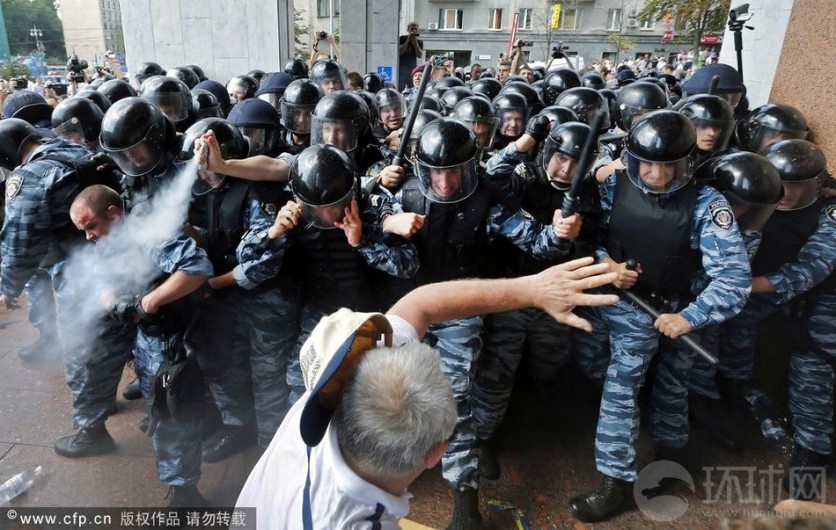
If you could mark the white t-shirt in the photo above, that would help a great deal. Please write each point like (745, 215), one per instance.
(339, 497)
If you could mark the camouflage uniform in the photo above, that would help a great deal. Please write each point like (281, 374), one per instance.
(714, 240)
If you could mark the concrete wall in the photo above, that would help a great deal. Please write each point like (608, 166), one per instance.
(762, 46)
(83, 29)
(803, 79)
(369, 35)
(224, 37)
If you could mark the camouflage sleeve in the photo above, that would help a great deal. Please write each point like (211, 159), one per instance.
(385, 252)
(503, 162)
(26, 237)
(816, 261)
(259, 257)
(526, 234)
(724, 260)
(607, 192)
(181, 254)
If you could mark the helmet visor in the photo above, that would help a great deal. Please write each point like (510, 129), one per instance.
(798, 194)
(210, 112)
(331, 82)
(71, 131)
(512, 122)
(629, 114)
(339, 133)
(761, 137)
(713, 135)
(297, 118)
(174, 106)
(484, 129)
(324, 216)
(392, 116)
(273, 99)
(141, 157)
(206, 182)
(657, 177)
(261, 139)
(559, 166)
(447, 184)
(750, 216)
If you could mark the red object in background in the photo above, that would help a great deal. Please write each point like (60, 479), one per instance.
(668, 36)
(711, 39)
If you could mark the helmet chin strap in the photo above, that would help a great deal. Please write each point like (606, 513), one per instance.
(559, 186)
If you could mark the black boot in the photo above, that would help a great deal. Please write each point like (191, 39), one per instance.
(466, 514)
(806, 478)
(186, 497)
(226, 442)
(132, 391)
(488, 460)
(710, 415)
(86, 442)
(611, 498)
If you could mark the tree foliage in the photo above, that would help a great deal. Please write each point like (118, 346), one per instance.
(301, 32)
(22, 15)
(700, 16)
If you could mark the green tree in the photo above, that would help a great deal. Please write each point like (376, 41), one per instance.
(22, 15)
(621, 42)
(301, 32)
(700, 16)
(10, 70)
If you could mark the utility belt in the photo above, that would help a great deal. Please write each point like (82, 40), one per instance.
(659, 302)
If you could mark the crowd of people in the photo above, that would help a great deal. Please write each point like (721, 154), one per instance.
(278, 252)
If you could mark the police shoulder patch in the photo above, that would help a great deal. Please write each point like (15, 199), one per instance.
(521, 170)
(721, 214)
(13, 184)
(525, 214)
(831, 212)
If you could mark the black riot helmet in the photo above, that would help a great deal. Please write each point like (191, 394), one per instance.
(28, 106)
(558, 81)
(78, 120)
(297, 68)
(184, 74)
(324, 181)
(478, 114)
(372, 82)
(513, 111)
(448, 82)
(769, 124)
(532, 98)
(516, 79)
(219, 92)
(558, 115)
(539, 72)
(452, 96)
(429, 102)
(329, 74)
(14, 133)
(445, 161)
(749, 182)
(341, 119)
(299, 101)
(241, 87)
(488, 86)
(201, 75)
(371, 103)
(660, 141)
(116, 89)
(207, 104)
(137, 136)
(586, 103)
(801, 165)
(713, 118)
(271, 89)
(656, 81)
(563, 149)
(173, 98)
(636, 99)
(259, 122)
(593, 80)
(390, 108)
(611, 97)
(256, 74)
(231, 142)
(146, 70)
(421, 120)
(96, 97)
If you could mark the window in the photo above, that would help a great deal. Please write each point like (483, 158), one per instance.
(613, 19)
(450, 19)
(526, 18)
(323, 8)
(648, 23)
(495, 20)
(570, 19)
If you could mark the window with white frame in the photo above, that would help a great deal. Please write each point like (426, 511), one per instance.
(526, 18)
(648, 23)
(495, 20)
(614, 19)
(450, 19)
(570, 19)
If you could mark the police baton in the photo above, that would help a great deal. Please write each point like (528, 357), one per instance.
(413, 112)
(570, 200)
(687, 340)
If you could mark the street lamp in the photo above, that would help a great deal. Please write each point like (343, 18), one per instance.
(37, 34)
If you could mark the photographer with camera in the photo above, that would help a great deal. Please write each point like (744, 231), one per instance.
(316, 56)
(410, 48)
(76, 73)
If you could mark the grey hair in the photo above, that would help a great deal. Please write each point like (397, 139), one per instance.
(395, 409)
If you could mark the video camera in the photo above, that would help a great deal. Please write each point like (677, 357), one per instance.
(739, 14)
(322, 35)
(522, 43)
(558, 50)
(76, 67)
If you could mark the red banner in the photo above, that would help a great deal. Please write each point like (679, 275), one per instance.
(513, 34)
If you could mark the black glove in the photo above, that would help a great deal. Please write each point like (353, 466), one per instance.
(124, 309)
(538, 127)
(104, 162)
(148, 318)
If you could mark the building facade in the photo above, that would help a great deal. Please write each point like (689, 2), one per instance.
(92, 27)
